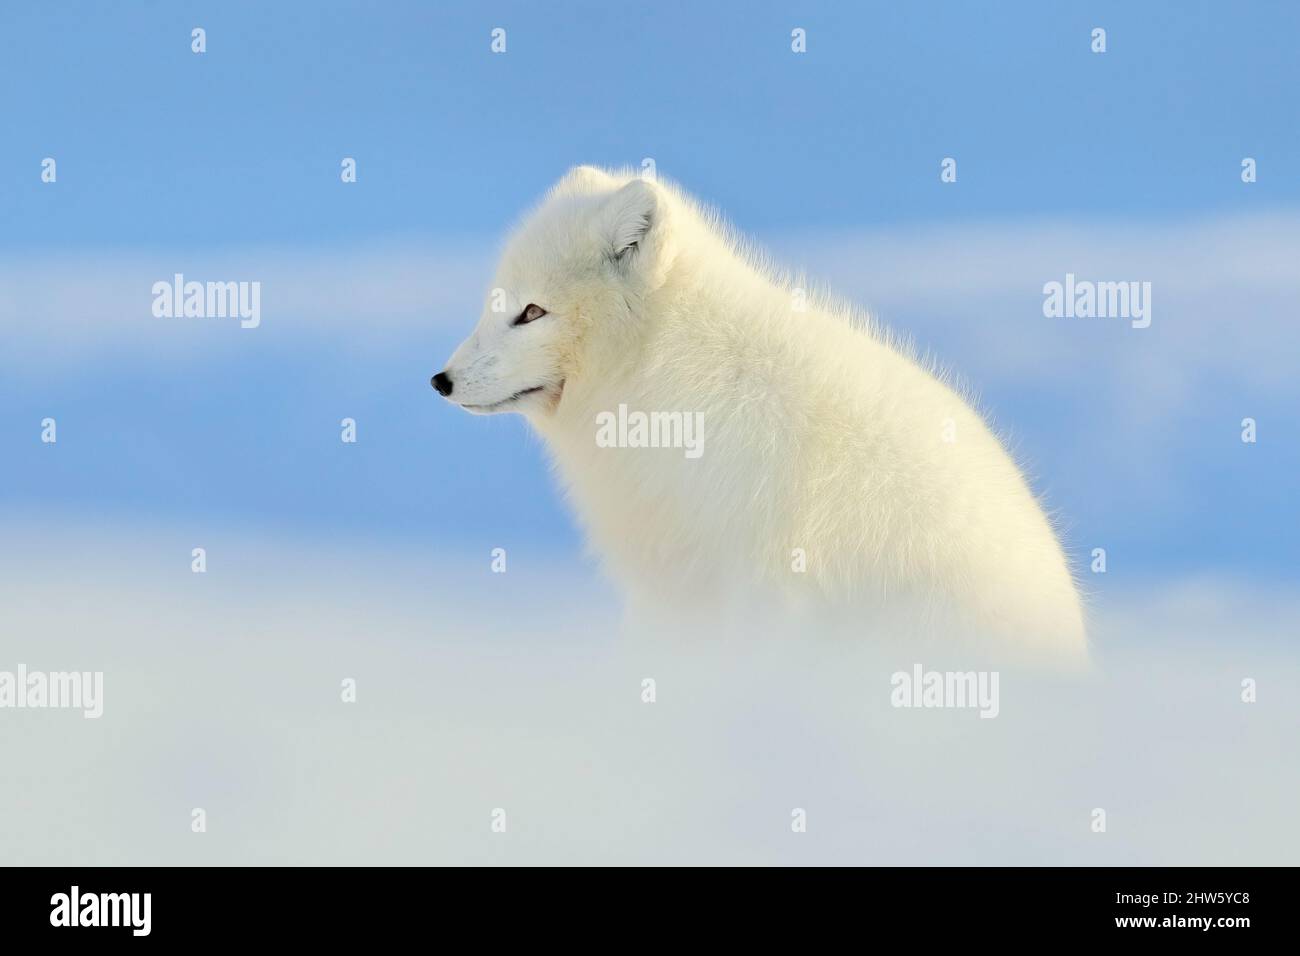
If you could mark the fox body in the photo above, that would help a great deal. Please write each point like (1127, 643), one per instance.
(829, 466)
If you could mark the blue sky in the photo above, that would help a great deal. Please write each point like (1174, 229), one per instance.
(159, 146)
(170, 161)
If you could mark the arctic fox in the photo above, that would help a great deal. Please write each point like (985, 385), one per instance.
(827, 467)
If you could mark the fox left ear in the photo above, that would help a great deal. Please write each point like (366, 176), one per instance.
(628, 216)
(633, 228)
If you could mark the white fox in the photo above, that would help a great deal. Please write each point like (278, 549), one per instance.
(831, 469)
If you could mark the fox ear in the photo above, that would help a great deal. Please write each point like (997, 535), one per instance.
(627, 218)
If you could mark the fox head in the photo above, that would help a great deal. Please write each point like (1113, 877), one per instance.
(577, 269)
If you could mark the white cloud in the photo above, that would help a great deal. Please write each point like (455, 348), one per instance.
(62, 315)
(1225, 293)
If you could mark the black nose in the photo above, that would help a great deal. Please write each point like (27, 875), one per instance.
(442, 383)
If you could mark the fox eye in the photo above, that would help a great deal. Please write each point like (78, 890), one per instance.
(530, 314)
